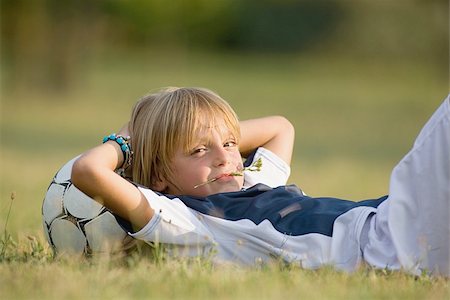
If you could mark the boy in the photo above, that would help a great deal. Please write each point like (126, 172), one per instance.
(187, 150)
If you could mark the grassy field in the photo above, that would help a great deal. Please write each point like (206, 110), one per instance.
(354, 119)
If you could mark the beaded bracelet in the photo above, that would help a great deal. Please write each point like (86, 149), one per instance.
(125, 147)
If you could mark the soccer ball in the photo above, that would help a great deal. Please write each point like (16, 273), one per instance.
(76, 224)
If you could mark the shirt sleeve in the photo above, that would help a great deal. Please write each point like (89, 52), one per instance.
(173, 223)
(274, 171)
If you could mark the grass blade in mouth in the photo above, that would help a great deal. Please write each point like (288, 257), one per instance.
(206, 182)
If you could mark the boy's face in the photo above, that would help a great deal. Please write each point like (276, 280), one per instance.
(215, 156)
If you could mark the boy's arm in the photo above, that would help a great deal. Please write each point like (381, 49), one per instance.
(93, 173)
(274, 133)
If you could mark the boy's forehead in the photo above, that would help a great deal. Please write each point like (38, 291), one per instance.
(204, 132)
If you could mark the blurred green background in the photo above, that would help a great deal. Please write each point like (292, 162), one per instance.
(357, 79)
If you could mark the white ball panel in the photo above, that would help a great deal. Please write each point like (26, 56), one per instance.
(104, 233)
(65, 173)
(80, 205)
(67, 237)
(52, 206)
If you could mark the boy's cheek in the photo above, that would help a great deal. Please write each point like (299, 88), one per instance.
(238, 160)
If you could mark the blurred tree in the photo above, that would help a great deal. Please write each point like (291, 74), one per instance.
(394, 29)
(44, 41)
(262, 25)
(196, 23)
(286, 25)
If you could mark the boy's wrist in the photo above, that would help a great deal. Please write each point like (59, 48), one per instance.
(125, 147)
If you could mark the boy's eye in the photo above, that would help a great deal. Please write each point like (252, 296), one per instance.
(198, 150)
(230, 144)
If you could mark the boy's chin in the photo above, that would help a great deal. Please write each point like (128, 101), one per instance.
(235, 187)
(223, 189)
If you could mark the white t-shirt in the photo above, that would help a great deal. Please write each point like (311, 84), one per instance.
(274, 171)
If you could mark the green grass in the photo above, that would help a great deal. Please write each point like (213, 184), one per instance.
(36, 275)
(354, 120)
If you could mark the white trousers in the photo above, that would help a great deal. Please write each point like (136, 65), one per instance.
(411, 229)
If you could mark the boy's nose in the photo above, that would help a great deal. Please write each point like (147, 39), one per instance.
(222, 157)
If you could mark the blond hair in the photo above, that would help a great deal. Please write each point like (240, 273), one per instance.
(164, 121)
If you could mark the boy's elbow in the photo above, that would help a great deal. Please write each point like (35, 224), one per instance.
(289, 126)
(286, 127)
(80, 171)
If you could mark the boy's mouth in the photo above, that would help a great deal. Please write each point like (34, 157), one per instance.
(255, 166)
(225, 175)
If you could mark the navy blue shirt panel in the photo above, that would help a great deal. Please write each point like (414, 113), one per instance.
(289, 211)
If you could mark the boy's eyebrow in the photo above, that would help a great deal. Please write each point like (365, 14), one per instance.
(206, 140)
(203, 136)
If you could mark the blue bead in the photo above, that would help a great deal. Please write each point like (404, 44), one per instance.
(124, 148)
(120, 141)
(112, 136)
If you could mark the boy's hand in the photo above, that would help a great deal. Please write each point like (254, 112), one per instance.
(124, 131)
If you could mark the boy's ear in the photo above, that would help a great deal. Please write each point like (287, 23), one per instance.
(159, 184)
